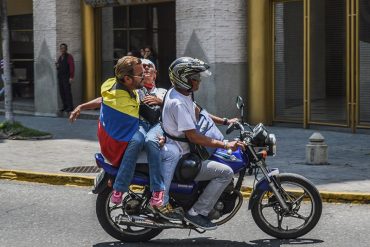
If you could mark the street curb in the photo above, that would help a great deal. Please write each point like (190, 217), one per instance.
(46, 178)
(74, 180)
(332, 197)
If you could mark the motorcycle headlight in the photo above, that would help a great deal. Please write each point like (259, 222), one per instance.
(260, 135)
(271, 143)
(262, 139)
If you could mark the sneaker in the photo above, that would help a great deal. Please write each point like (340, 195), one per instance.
(169, 213)
(157, 199)
(116, 197)
(200, 221)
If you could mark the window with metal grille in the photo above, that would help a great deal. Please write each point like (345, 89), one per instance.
(288, 61)
(364, 62)
(130, 28)
(328, 91)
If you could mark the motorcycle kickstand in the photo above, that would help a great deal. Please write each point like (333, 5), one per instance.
(197, 230)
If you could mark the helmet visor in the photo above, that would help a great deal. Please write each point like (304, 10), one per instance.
(201, 75)
(205, 74)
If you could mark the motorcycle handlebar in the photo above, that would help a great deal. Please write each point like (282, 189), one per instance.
(234, 126)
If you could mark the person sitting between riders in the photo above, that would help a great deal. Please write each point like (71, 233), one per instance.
(179, 121)
(147, 136)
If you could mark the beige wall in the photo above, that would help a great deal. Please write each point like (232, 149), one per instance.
(215, 31)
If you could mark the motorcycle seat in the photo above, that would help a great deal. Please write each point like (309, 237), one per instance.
(141, 165)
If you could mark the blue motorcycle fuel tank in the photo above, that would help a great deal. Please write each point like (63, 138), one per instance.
(236, 160)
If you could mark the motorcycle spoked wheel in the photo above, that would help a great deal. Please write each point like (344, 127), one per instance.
(304, 202)
(106, 212)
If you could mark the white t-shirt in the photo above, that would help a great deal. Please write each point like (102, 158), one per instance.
(178, 116)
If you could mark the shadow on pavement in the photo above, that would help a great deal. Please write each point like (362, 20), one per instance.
(205, 241)
(281, 242)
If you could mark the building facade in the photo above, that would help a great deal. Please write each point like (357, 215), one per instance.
(293, 61)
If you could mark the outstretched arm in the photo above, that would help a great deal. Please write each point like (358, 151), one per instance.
(93, 104)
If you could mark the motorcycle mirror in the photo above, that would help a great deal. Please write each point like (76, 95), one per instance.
(240, 106)
(239, 102)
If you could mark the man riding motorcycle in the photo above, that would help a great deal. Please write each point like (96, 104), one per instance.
(179, 120)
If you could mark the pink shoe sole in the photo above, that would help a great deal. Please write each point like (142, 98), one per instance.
(116, 197)
(156, 203)
(157, 199)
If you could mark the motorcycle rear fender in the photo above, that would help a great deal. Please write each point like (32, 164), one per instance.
(102, 163)
(101, 182)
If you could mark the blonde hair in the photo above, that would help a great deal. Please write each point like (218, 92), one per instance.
(125, 66)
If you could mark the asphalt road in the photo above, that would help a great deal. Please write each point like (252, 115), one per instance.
(42, 215)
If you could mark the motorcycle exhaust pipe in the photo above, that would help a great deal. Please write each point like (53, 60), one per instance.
(145, 222)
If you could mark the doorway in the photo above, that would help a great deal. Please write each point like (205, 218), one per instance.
(320, 62)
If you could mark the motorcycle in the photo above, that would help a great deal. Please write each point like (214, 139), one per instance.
(283, 205)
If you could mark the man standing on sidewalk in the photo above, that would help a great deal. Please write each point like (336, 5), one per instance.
(66, 69)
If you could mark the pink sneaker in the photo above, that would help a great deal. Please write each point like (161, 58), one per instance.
(157, 199)
(116, 197)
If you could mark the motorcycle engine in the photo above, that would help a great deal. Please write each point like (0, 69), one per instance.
(225, 204)
(216, 212)
(132, 207)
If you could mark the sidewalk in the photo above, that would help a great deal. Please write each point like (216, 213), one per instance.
(75, 145)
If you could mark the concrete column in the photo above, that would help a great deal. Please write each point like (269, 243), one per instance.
(55, 22)
(215, 31)
(69, 32)
(259, 60)
(45, 45)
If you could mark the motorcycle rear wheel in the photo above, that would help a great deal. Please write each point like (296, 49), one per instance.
(122, 233)
(304, 202)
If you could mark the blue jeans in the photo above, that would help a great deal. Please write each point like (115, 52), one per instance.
(170, 155)
(146, 137)
(152, 148)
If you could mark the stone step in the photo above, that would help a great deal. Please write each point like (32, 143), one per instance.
(21, 106)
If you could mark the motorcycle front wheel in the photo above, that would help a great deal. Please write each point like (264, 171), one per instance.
(303, 200)
(107, 214)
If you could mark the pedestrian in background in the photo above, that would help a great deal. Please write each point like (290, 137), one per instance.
(142, 53)
(150, 55)
(66, 68)
(134, 53)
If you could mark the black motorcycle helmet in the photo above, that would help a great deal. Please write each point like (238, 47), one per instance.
(183, 68)
(188, 168)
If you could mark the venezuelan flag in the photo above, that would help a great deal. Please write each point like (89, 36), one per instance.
(119, 120)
